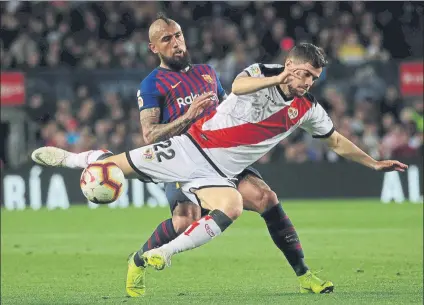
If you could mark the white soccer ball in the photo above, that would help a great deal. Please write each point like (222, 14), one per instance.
(102, 182)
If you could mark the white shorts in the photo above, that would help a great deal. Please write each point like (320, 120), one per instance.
(178, 160)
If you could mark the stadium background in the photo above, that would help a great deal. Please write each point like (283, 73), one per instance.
(83, 61)
(69, 76)
(70, 72)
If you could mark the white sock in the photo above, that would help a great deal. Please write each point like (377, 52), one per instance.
(82, 160)
(199, 233)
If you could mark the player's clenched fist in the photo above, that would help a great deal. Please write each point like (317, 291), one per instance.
(199, 104)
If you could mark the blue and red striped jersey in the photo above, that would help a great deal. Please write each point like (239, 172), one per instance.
(174, 91)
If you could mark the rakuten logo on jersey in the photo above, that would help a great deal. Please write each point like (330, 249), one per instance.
(188, 100)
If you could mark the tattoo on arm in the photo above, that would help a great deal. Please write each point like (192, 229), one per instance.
(153, 131)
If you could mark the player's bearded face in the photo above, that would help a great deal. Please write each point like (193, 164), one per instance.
(296, 89)
(299, 86)
(179, 60)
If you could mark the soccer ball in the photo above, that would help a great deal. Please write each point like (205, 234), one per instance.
(102, 182)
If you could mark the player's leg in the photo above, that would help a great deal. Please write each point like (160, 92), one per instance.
(225, 204)
(184, 213)
(258, 197)
(57, 157)
(177, 159)
(166, 161)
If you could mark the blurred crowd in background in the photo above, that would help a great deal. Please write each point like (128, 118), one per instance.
(229, 36)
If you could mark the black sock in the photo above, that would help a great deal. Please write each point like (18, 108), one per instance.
(285, 237)
(163, 234)
(221, 219)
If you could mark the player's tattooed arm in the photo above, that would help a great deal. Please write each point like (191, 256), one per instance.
(153, 131)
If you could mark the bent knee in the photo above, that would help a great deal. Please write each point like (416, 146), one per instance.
(270, 199)
(226, 199)
(233, 207)
(233, 212)
(266, 201)
(181, 223)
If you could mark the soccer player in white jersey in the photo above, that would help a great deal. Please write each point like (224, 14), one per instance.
(267, 103)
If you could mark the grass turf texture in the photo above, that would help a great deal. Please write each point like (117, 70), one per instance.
(371, 251)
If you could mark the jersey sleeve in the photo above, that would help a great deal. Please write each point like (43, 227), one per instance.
(147, 95)
(254, 70)
(263, 70)
(318, 124)
(221, 92)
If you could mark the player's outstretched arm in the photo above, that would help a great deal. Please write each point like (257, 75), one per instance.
(155, 132)
(345, 148)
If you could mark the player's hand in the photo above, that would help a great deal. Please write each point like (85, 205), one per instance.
(289, 73)
(199, 104)
(390, 165)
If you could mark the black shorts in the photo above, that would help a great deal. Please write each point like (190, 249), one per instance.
(175, 195)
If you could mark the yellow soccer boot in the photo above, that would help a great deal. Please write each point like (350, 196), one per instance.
(136, 277)
(310, 283)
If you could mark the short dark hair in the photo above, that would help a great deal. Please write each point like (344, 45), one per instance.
(162, 16)
(309, 53)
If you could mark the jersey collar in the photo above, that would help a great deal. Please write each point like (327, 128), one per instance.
(185, 70)
(283, 95)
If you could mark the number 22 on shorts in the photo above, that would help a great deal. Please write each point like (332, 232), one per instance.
(165, 152)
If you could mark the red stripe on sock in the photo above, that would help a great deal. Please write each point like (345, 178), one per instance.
(164, 229)
(288, 230)
(191, 228)
(157, 237)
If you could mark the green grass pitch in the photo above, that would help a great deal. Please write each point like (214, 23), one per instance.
(373, 253)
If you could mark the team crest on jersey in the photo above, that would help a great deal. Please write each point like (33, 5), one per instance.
(255, 70)
(148, 154)
(207, 78)
(292, 113)
(139, 99)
